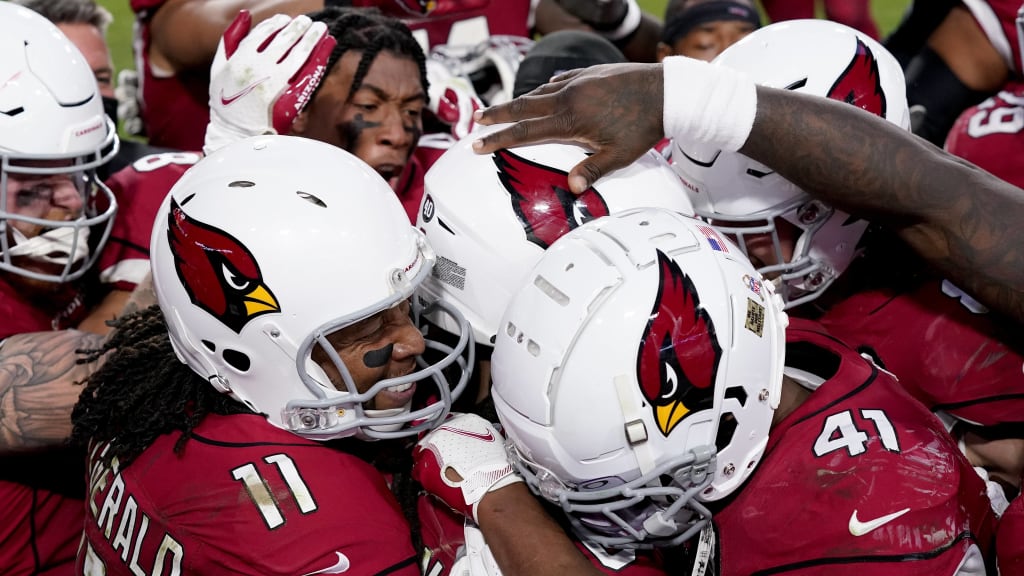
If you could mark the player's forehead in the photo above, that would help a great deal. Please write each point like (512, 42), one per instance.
(390, 74)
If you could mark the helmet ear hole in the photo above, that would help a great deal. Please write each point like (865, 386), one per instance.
(238, 360)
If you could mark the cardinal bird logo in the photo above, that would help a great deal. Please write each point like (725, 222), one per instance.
(219, 274)
(542, 201)
(679, 353)
(860, 84)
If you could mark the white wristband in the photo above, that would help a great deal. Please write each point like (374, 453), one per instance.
(713, 105)
(630, 22)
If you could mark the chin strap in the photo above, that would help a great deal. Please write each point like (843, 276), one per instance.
(56, 246)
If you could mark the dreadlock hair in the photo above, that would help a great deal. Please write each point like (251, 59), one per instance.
(142, 391)
(369, 31)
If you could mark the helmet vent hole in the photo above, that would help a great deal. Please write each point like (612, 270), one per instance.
(738, 393)
(311, 198)
(13, 111)
(533, 348)
(726, 430)
(510, 329)
(210, 345)
(549, 290)
(797, 85)
(237, 360)
(242, 184)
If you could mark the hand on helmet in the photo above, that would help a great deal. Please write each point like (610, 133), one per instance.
(461, 461)
(452, 98)
(262, 77)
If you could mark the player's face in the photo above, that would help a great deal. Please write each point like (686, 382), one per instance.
(380, 123)
(709, 40)
(89, 40)
(44, 196)
(761, 247)
(384, 345)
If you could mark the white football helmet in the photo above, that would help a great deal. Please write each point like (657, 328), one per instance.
(636, 374)
(264, 249)
(51, 123)
(490, 66)
(490, 217)
(744, 198)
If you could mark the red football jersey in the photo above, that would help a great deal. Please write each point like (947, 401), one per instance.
(459, 22)
(174, 106)
(991, 134)
(139, 189)
(941, 345)
(65, 309)
(244, 497)
(39, 531)
(1010, 539)
(859, 479)
(997, 19)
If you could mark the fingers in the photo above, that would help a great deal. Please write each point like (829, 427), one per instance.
(312, 50)
(304, 82)
(519, 134)
(237, 30)
(265, 31)
(286, 39)
(588, 171)
(525, 107)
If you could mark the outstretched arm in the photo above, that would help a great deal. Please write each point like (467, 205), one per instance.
(962, 219)
(185, 33)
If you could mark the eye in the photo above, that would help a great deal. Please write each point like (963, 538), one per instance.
(671, 380)
(32, 194)
(367, 107)
(233, 279)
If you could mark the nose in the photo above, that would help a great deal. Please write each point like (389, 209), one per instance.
(67, 196)
(394, 132)
(409, 342)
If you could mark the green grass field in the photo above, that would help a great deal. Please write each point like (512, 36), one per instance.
(887, 14)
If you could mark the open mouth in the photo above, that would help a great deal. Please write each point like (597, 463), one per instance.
(391, 173)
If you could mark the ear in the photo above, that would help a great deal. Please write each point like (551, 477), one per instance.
(300, 123)
(663, 51)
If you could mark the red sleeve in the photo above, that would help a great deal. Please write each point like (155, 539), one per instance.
(139, 189)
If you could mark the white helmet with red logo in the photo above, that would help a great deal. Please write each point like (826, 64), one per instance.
(490, 217)
(745, 198)
(636, 373)
(52, 124)
(260, 255)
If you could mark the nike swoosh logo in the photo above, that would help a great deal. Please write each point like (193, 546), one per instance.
(227, 100)
(858, 528)
(485, 437)
(342, 565)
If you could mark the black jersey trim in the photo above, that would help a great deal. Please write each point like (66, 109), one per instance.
(411, 560)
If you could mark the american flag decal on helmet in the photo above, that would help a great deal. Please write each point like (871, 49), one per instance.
(714, 240)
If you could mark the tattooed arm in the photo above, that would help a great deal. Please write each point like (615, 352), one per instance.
(962, 219)
(965, 221)
(41, 378)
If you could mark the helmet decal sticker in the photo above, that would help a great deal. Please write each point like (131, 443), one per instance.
(677, 362)
(860, 83)
(542, 201)
(219, 274)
